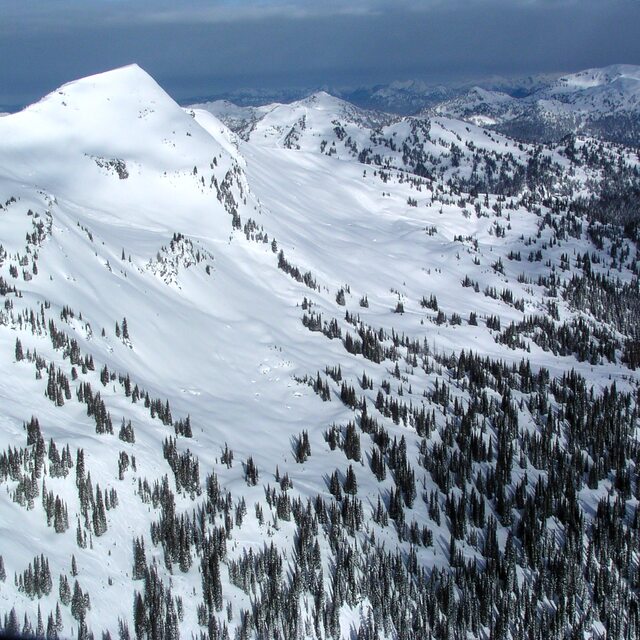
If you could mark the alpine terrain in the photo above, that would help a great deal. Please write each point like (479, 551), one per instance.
(310, 370)
(599, 102)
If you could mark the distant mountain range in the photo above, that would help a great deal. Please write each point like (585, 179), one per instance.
(404, 97)
(603, 102)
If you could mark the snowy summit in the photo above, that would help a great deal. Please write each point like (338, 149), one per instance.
(310, 370)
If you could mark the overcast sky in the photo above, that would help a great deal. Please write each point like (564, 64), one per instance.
(197, 48)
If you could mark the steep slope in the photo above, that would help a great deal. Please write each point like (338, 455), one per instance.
(296, 392)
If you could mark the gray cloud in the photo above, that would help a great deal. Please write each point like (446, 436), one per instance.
(207, 47)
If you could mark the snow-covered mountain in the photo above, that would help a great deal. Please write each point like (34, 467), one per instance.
(606, 90)
(329, 374)
(603, 102)
(462, 146)
(410, 97)
(402, 97)
(285, 124)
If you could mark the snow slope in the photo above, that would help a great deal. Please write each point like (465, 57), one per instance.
(135, 208)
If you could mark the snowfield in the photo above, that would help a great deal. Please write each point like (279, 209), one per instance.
(212, 245)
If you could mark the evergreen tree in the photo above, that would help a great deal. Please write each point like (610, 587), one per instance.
(350, 483)
(99, 514)
(64, 590)
(18, 351)
(139, 559)
(78, 603)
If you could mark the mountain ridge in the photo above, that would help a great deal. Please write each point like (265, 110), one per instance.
(312, 378)
(549, 108)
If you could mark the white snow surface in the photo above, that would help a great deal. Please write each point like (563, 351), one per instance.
(112, 166)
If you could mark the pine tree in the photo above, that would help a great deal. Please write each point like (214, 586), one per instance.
(302, 447)
(27, 627)
(64, 590)
(352, 443)
(81, 539)
(251, 472)
(52, 632)
(78, 606)
(126, 433)
(59, 623)
(139, 617)
(11, 625)
(80, 468)
(335, 487)
(40, 625)
(60, 518)
(123, 630)
(99, 514)
(19, 353)
(350, 483)
(139, 559)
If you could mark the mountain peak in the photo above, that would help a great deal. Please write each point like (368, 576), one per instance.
(122, 115)
(590, 78)
(110, 100)
(322, 100)
(130, 81)
(127, 71)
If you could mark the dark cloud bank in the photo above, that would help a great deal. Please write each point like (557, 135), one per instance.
(202, 49)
